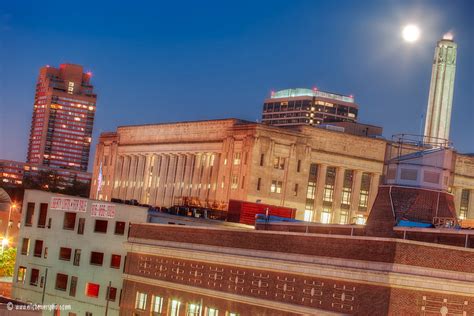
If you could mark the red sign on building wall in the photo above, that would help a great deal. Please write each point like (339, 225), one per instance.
(102, 210)
(68, 204)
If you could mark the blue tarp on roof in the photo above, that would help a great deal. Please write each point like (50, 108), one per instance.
(260, 218)
(406, 223)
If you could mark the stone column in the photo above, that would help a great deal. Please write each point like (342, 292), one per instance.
(164, 165)
(170, 180)
(124, 177)
(179, 177)
(470, 210)
(336, 202)
(117, 177)
(355, 195)
(156, 162)
(318, 196)
(374, 188)
(131, 177)
(137, 192)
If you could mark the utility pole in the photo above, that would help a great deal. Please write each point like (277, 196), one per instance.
(44, 285)
(108, 298)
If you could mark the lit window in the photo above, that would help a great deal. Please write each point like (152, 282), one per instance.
(92, 289)
(235, 182)
(174, 307)
(211, 311)
(193, 310)
(115, 261)
(276, 186)
(140, 301)
(279, 163)
(326, 216)
(308, 215)
(20, 277)
(157, 305)
(237, 158)
(343, 217)
(360, 220)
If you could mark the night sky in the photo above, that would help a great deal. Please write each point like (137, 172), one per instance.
(163, 61)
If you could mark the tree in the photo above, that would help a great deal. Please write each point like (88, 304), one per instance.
(7, 262)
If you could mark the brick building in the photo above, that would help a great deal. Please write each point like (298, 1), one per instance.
(193, 270)
(328, 176)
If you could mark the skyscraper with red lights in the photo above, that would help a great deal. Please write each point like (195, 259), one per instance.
(63, 116)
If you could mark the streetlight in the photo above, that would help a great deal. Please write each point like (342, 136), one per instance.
(5, 241)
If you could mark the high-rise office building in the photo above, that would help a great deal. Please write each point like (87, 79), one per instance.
(63, 116)
(291, 107)
(438, 116)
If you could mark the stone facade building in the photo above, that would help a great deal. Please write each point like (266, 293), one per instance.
(328, 176)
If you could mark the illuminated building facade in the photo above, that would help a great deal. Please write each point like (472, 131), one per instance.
(292, 107)
(63, 117)
(328, 176)
(440, 102)
(11, 172)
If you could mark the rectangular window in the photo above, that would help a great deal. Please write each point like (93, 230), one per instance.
(92, 289)
(43, 214)
(140, 301)
(65, 253)
(347, 188)
(25, 246)
(464, 205)
(73, 286)
(298, 166)
(311, 193)
(111, 294)
(259, 183)
(262, 160)
(157, 305)
(100, 226)
(295, 191)
(235, 182)
(344, 217)
(326, 215)
(174, 307)
(279, 163)
(193, 309)
(34, 277)
(30, 210)
(97, 258)
(38, 251)
(81, 225)
(276, 186)
(115, 261)
(61, 282)
(77, 257)
(119, 228)
(237, 158)
(364, 192)
(69, 221)
(211, 311)
(21, 274)
(329, 184)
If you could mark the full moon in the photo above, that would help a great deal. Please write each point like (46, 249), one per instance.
(411, 33)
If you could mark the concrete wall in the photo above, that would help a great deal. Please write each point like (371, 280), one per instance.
(55, 237)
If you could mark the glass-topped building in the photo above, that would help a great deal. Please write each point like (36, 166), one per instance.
(291, 107)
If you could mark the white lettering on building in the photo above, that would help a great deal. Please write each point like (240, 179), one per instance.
(68, 204)
(102, 210)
